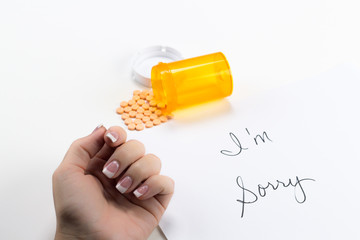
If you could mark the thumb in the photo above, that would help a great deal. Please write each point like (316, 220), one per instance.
(83, 149)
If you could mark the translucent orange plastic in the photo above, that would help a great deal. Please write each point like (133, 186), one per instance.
(191, 81)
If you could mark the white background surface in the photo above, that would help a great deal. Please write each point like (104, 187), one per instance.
(65, 66)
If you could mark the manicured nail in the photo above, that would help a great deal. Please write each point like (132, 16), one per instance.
(110, 169)
(141, 191)
(99, 126)
(112, 136)
(124, 184)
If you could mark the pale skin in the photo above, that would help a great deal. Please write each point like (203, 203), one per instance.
(89, 201)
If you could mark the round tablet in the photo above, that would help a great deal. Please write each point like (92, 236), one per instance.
(136, 92)
(134, 107)
(147, 113)
(139, 127)
(127, 109)
(149, 124)
(137, 121)
(145, 106)
(128, 121)
(136, 97)
(152, 103)
(156, 121)
(152, 109)
(131, 102)
(149, 98)
(140, 110)
(142, 96)
(145, 92)
(139, 116)
(120, 110)
(158, 112)
(124, 116)
(163, 118)
(123, 104)
(140, 102)
(132, 114)
(153, 116)
(145, 119)
(131, 126)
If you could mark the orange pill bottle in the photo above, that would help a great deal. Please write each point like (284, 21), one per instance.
(191, 81)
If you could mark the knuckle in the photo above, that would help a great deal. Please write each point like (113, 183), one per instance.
(58, 175)
(154, 160)
(139, 145)
(153, 156)
(138, 169)
(75, 144)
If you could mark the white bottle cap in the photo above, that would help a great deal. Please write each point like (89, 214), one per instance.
(144, 60)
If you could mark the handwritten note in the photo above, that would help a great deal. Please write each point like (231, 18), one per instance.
(284, 165)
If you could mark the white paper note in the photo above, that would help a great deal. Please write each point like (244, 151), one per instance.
(284, 165)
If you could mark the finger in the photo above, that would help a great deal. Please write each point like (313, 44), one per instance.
(118, 135)
(114, 137)
(162, 187)
(138, 172)
(83, 149)
(123, 157)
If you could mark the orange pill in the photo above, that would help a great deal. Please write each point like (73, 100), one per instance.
(145, 92)
(140, 102)
(152, 109)
(124, 116)
(132, 126)
(156, 121)
(161, 105)
(152, 103)
(145, 106)
(147, 113)
(149, 124)
(124, 104)
(128, 121)
(153, 116)
(151, 93)
(136, 92)
(136, 97)
(132, 114)
(140, 110)
(145, 119)
(142, 96)
(140, 127)
(134, 107)
(149, 98)
(137, 121)
(139, 116)
(163, 119)
(131, 102)
(158, 112)
(127, 109)
(120, 110)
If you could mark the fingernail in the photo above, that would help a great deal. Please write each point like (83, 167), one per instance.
(141, 191)
(110, 169)
(124, 184)
(99, 126)
(112, 136)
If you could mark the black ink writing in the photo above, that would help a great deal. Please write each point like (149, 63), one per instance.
(240, 147)
(246, 193)
(237, 143)
(243, 201)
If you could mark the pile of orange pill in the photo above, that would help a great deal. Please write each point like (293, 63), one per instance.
(142, 111)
